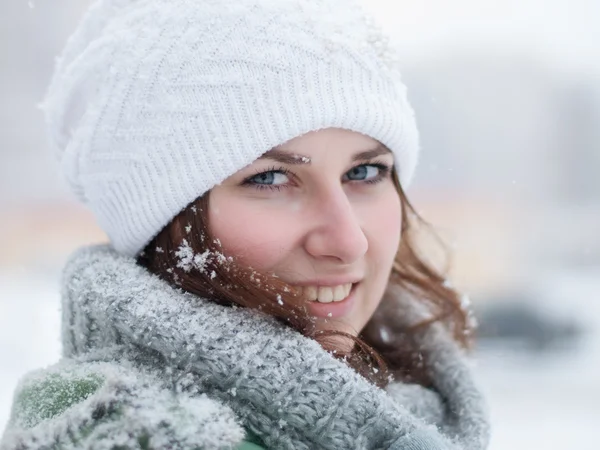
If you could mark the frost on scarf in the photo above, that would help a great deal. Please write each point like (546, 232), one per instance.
(151, 362)
(281, 385)
(78, 404)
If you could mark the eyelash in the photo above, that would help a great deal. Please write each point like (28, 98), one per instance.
(384, 172)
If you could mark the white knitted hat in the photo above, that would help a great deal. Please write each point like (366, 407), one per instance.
(154, 102)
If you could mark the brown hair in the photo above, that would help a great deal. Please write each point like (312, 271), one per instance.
(195, 263)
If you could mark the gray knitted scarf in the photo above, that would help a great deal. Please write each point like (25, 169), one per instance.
(281, 385)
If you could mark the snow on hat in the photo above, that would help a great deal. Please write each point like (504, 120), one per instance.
(154, 102)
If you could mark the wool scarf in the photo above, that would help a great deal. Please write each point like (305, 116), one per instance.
(281, 385)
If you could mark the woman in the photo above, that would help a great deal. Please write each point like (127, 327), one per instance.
(262, 287)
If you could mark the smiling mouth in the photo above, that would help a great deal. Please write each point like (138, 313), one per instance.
(334, 309)
(327, 294)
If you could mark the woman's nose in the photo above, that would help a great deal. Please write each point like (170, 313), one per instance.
(335, 230)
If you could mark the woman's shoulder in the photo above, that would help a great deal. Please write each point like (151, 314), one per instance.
(73, 404)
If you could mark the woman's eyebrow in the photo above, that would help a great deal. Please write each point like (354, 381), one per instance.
(370, 154)
(294, 158)
(285, 157)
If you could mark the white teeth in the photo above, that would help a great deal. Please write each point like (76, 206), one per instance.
(311, 293)
(327, 294)
(339, 293)
(347, 290)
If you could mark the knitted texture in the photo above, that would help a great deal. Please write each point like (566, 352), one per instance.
(282, 386)
(154, 102)
(79, 404)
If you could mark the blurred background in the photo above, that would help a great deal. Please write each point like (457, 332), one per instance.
(507, 94)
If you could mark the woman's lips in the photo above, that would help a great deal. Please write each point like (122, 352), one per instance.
(332, 309)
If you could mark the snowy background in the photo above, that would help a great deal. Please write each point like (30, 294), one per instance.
(507, 94)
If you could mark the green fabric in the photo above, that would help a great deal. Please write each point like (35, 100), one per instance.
(45, 398)
(252, 442)
(51, 396)
(245, 445)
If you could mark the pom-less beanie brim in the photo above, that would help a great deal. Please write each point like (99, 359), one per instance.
(153, 103)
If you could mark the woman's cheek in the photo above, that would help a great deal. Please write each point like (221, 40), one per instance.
(258, 236)
(383, 233)
(389, 225)
(383, 221)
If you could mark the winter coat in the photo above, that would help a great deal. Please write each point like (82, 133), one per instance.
(147, 366)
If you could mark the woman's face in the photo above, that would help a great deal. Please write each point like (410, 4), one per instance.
(320, 212)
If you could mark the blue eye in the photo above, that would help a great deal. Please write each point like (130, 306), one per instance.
(269, 178)
(369, 173)
(364, 172)
(272, 179)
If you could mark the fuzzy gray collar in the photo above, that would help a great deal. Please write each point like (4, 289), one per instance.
(281, 385)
